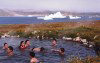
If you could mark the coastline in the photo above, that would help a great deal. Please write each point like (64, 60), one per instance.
(86, 29)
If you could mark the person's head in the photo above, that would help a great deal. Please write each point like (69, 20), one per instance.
(32, 48)
(5, 45)
(54, 39)
(42, 49)
(27, 42)
(10, 49)
(22, 43)
(32, 54)
(54, 42)
(62, 50)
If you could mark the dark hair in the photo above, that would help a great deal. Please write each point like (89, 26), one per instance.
(42, 49)
(32, 48)
(21, 43)
(55, 39)
(5, 44)
(11, 48)
(62, 49)
(32, 54)
(26, 41)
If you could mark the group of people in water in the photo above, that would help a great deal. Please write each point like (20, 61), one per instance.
(25, 45)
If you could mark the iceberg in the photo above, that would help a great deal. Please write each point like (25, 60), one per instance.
(30, 16)
(74, 17)
(51, 16)
(45, 18)
(48, 18)
(56, 15)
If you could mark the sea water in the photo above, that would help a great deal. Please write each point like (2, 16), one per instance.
(34, 20)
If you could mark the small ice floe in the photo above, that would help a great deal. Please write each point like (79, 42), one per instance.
(64, 38)
(74, 17)
(84, 41)
(67, 38)
(13, 36)
(30, 16)
(45, 18)
(5, 35)
(51, 16)
(90, 45)
(78, 39)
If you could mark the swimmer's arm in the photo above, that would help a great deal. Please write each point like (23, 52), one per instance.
(34, 61)
(54, 50)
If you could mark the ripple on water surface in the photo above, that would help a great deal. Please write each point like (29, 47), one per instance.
(72, 49)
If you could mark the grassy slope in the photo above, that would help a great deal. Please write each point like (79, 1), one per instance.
(50, 26)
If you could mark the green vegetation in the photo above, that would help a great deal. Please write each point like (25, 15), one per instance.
(86, 60)
(86, 30)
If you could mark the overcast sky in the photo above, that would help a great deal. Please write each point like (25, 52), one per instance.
(66, 5)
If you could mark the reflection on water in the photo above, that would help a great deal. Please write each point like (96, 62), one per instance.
(72, 49)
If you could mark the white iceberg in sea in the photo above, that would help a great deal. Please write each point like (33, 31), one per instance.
(45, 18)
(30, 16)
(74, 17)
(51, 16)
(56, 15)
(48, 18)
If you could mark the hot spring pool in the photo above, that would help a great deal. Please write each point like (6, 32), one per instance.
(72, 49)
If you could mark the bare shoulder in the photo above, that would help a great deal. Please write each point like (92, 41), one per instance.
(34, 60)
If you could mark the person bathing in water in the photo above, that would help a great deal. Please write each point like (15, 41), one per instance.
(61, 51)
(54, 42)
(27, 43)
(5, 47)
(33, 58)
(22, 46)
(10, 51)
(41, 49)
